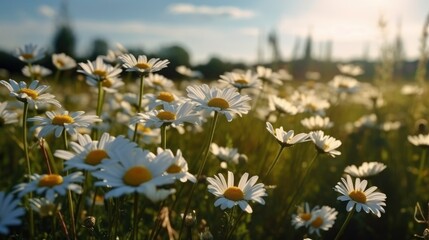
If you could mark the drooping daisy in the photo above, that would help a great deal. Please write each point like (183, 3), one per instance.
(267, 75)
(63, 62)
(281, 105)
(230, 195)
(63, 120)
(98, 70)
(411, 90)
(322, 219)
(36, 72)
(49, 185)
(142, 64)
(358, 198)
(6, 116)
(224, 101)
(421, 140)
(179, 166)
(325, 143)
(170, 115)
(313, 104)
(87, 153)
(317, 123)
(30, 53)
(137, 171)
(159, 82)
(225, 155)
(44, 207)
(146, 135)
(10, 212)
(241, 80)
(367, 169)
(287, 139)
(185, 71)
(303, 215)
(33, 94)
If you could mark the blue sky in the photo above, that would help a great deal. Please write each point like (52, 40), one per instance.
(230, 29)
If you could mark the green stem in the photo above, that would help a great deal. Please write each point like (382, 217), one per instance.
(200, 170)
(27, 160)
(234, 226)
(346, 222)
(136, 218)
(422, 166)
(65, 142)
(57, 76)
(139, 105)
(71, 212)
(273, 164)
(164, 136)
(298, 189)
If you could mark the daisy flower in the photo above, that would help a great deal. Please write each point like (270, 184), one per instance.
(44, 207)
(345, 84)
(6, 116)
(137, 171)
(50, 185)
(325, 143)
(162, 98)
(98, 70)
(147, 135)
(87, 153)
(225, 155)
(63, 120)
(287, 139)
(241, 80)
(33, 95)
(170, 115)
(142, 64)
(10, 212)
(367, 169)
(230, 195)
(421, 140)
(62, 61)
(109, 85)
(179, 166)
(281, 105)
(358, 198)
(303, 215)
(322, 219)
(185, 71)
(317, 123)
(36, 71)
(350, 69)
(29, 53)
(224, 101)
(267, 75)
(159, 82)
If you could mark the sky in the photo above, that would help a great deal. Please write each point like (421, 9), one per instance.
(232, 30)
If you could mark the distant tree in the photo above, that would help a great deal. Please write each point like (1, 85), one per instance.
(308, 48)
(177, 55)
(64, 40)
(99, 47)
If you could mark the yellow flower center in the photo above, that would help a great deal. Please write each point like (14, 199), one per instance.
(241, 81)
(137, 175)
(142, 128)
(358, 196)
(317, 222)
(99, 72)
(142, 65)
(30, 92)
(50, 180)
(107, 83)
(173, 168)
(61, 119)
(218, 102)
(166, 116)
(27, 56)
(234, 194)
(165, 96)
(94, 157)
(60, 63)
(305, 216)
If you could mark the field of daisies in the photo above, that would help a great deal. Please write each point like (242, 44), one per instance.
(121, 152)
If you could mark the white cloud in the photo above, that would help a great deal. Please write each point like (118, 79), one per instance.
(232, 12)
(46, 11)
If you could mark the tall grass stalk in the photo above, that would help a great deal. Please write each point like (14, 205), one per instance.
(346, 222)
(27, 161)
(139, 104)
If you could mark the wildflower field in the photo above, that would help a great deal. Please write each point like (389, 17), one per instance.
(118, 151)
